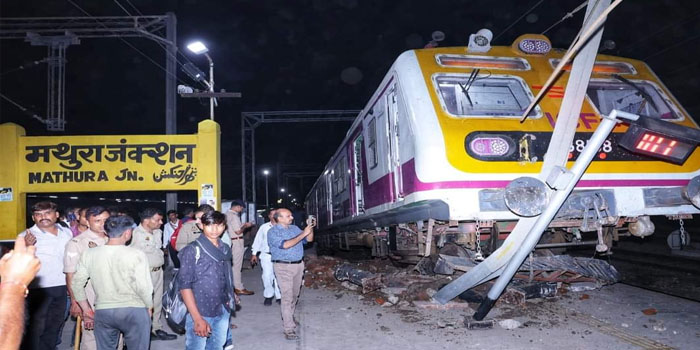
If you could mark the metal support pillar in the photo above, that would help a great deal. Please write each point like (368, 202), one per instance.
(251, 120)
(170, 90)
(56, 79)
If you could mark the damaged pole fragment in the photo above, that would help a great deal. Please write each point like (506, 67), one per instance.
(367, 280)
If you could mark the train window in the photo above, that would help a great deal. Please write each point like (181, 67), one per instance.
(484, 96)
(465, 61)
(372, 143)
(602, 67)
(638, 97)
(340, 174)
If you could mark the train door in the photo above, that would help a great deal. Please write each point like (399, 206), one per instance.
(394, 147)
(359, 200)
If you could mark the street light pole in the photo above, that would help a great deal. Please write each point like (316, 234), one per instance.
(267, 193)
(211, 85)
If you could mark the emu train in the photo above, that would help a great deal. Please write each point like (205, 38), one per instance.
(426, 162)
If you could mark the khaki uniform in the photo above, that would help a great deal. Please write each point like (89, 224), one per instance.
(150, 243)
(189, 232)
(233, 221)
(74, 248)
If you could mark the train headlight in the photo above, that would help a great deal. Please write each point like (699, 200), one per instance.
(661, 139)
(526, 196)
(490, 146)
(692, 191)
(532, 44)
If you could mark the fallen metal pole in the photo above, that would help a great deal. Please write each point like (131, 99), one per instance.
(584, 160)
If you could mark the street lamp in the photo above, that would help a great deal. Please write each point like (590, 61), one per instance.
(199, 48)
(267, 200)
(282, 189)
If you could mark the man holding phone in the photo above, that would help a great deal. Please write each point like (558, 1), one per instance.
(286, 242)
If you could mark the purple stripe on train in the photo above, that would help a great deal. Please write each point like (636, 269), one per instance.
(381, 191)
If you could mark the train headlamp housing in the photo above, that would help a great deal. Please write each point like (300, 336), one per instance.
(489, 146)
(526, 196)
(660, 139)
(532, 44)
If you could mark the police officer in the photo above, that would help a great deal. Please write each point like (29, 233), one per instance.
(147, 238)
(93, 237)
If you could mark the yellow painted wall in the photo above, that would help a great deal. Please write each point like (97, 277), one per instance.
(103, 164)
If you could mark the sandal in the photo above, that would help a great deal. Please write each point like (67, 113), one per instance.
(291, 335)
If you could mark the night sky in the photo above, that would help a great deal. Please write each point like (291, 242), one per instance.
(304, 55)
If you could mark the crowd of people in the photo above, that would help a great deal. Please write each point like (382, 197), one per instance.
(106, 271)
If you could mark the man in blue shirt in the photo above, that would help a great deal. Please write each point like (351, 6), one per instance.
(206, 285)
(286, 243)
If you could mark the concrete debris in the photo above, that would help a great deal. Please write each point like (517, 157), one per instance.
(625, 325)
(584, 286)
(350, 286)
(509, 324)
(569, 269)
(393, 299)
(473, 324)
(367, 280)
(427, 305)
(447, 264)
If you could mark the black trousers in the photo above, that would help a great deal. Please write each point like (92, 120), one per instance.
(45, 308)
(173, 256)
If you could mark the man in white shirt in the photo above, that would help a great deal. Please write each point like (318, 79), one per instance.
(47, 292)
(261, 252)
(170, 227)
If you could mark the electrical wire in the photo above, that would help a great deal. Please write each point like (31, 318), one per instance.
(671, 47)
(167, 52)
(517, 20)
(127, 43)
(22, 108)
(566, 16)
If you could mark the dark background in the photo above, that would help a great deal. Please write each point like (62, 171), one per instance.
(302, 55)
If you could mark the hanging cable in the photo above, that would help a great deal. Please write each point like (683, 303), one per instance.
(23, 109)
(167, 52)
(517, 20)
(566, 16)
(671, 47)
(126, 42)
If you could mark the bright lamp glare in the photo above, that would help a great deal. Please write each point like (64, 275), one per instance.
(197, 47)
(266, 172)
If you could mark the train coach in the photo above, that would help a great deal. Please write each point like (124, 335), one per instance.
(426, 162)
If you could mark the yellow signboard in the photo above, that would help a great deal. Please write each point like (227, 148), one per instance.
(104, 163)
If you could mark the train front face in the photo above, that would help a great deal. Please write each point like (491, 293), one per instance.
(478, 100)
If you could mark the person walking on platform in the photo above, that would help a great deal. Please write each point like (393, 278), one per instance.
(93, 237)
(286, 242)
(146, 238)
(121, 278)
(261, 252)
(47, 293)
(235, 231)
(206, 285)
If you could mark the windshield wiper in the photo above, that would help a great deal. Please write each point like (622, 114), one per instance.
(641, 92)
(470, 81)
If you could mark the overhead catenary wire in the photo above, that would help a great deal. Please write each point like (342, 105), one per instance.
(580, 40)
(566, 16)
(23, 109)
(126, 42)
(167, 52)
(518, 20)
